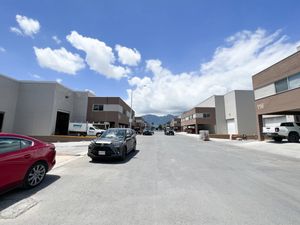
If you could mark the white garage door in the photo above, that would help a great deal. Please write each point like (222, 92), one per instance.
(231, 126)
(274, 121)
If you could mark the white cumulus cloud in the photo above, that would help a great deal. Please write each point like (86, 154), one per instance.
(91, 91)
(99, 56)
(59, 80)
(128, 56)
(36, 76)
(56, 39)
(59, 60)
(2, 49)
(27, 26)
(231, 67)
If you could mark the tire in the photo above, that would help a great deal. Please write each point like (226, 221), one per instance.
(277, 139)
(98, 134)
(35, 175)
(293, 137)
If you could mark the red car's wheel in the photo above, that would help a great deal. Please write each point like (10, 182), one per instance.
(35, 175)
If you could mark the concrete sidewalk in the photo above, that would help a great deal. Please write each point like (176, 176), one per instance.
(291, 150)
(69, 151)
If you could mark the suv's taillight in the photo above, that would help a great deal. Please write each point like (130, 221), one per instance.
(276, 129)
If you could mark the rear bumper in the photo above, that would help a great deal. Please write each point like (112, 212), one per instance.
(52, 162)
(273, 135)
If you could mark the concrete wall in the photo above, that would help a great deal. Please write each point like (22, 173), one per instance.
(34, 108)
(80, 106)
(246, 115)
(9, 90)
(230, 105)
(217, 101)
(221, 126)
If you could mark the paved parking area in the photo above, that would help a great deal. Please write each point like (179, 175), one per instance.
(169, 180)
(284, 148)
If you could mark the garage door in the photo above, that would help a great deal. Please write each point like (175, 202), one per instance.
(274, 121)
(231, 126)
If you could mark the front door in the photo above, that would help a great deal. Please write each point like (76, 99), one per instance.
(14, 161)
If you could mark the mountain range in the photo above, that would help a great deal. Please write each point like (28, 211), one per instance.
(157, 120)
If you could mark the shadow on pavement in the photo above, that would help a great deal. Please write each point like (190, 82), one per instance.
(14, 196)
(130, 156)
(282, 142)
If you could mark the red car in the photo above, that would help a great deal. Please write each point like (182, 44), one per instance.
(24, 161)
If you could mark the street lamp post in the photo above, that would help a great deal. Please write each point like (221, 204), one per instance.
(130, 119)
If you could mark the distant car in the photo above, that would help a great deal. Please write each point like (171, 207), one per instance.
(114, 142)
(169, 132)
(24, 161)
(147, 132)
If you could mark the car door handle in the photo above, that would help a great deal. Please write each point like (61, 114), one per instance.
(27, 156)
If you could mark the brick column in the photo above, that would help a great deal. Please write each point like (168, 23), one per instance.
(259, 127)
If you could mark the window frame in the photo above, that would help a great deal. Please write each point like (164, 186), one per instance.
(20, 144)
(100, 108)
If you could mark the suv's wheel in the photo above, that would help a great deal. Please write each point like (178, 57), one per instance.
(35, 175)
(277, 139)
(293, 137)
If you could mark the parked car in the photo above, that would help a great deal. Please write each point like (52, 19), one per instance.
(24, 161)
(84, 129)
(169, 132)
(114, 142)
(147, 132)
(288, 130)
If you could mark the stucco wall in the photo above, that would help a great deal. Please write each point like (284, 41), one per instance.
(9, 89)
(221, 126)
(246, 114)
(34, 108)
(80, 107)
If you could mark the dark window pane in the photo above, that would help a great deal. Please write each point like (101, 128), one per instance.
(281, 85)
(287, 124)
(294, 81)
(95, 107)
(25, 144)
(9, 145)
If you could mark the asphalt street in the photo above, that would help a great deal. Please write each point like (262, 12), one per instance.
(169, 180)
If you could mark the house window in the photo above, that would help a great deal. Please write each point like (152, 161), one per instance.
(97, 107)
(206, 115)
(294, 81)
(281, 85)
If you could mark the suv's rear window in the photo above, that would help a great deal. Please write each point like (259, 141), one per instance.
(287, 124)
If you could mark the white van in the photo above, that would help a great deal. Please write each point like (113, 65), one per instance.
(84, 129)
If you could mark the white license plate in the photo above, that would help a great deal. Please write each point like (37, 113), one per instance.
(101, 152)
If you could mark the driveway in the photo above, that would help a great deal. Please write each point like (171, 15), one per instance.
(169, 180)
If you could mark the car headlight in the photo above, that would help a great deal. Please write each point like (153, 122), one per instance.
(91, 144)
(117, 144)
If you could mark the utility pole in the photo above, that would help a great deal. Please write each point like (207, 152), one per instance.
(130, 119)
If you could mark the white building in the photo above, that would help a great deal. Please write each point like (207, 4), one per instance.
(234, 111)
(39, 108)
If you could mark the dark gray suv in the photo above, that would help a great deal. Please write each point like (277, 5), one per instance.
(114, 142)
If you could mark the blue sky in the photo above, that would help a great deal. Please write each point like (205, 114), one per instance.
(179, 43)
